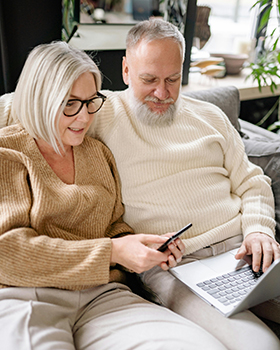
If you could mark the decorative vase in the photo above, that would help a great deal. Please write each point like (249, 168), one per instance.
(202, 28)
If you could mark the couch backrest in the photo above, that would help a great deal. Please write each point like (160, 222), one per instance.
(227, 98)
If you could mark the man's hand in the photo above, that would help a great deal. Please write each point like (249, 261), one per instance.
(263, 249)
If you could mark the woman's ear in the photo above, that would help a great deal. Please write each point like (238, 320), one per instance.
(125, 73)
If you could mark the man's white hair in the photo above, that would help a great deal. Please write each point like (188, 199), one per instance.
(154, 29)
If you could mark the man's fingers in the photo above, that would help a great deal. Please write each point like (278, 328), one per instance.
(271, 253)
(257, 253)
(276, 248)
(268, 254)
(242, 251)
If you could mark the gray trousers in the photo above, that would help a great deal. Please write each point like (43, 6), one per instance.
(241, 331)
(106, 317)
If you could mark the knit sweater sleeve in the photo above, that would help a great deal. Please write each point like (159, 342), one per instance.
(249, 183)
(32, 259)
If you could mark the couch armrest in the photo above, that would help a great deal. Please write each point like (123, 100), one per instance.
(254, 132)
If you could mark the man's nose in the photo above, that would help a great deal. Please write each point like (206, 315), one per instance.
(161, 91)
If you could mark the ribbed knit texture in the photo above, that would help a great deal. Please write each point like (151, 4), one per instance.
(5, 109)
(194, 171)
(53, 234)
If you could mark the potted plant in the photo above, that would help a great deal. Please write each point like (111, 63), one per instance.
(265, 68)
(67, 18)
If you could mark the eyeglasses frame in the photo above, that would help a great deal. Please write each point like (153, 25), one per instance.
(87, 102)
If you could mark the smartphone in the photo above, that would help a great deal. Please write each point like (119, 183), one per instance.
(164, 246)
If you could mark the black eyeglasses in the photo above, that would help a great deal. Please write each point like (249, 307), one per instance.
(74, 106)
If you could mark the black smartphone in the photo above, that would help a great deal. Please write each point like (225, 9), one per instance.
(164, 246)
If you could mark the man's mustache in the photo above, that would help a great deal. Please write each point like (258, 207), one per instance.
(156, 100)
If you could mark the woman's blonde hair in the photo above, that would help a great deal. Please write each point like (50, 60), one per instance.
(44, 87)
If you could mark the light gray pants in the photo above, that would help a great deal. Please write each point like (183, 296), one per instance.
(242, 331)
(106, 317)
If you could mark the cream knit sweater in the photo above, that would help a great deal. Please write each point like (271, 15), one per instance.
(194, 171)
(53, 234)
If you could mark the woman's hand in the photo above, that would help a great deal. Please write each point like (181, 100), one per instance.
(176, 251)
(138, 252)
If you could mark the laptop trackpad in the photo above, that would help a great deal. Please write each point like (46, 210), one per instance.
(223, 263)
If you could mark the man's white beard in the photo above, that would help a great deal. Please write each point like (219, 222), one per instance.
(148, 117)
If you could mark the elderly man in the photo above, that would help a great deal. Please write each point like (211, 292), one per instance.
(181, 161)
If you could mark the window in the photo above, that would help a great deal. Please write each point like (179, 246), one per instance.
(232, 25)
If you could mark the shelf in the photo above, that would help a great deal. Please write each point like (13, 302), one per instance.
(248, 90)
(100, 37)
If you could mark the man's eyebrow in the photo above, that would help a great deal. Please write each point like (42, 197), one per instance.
(175, 75)
(147, 75)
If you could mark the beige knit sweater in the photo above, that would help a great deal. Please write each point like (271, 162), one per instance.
(53, 234)
(195, 171)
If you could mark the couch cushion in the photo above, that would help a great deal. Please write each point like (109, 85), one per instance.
(226, 98)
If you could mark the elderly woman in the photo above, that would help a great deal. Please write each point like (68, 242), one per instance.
(63, 243)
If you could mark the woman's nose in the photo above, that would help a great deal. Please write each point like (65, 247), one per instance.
(83, 115)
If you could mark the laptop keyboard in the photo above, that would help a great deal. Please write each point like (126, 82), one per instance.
(230, 288)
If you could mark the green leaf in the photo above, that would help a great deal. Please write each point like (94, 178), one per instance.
(278, 57)
(265, 18)
(255, 4)
(268, 114)
(274, 126)
(273, 32)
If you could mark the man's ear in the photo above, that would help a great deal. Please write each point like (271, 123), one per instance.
(125, 71)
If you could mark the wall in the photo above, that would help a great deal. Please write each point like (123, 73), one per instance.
(23, 25)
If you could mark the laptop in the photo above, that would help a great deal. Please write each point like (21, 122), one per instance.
(229, 285)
